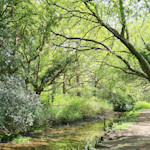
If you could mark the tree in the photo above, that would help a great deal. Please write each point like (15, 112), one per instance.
(9, 61)
(94, 13)
(25, 30)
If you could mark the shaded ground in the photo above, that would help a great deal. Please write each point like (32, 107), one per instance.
(136, 137)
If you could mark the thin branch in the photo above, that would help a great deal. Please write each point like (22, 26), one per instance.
(147, 47)
(90, 30)
(81, 39)
(124, 70)
(84, 49)
(106, 48)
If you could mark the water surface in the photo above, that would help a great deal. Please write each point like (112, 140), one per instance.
(61, 138)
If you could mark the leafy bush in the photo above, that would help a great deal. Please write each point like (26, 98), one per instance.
(18, 105)
(65, 113)
(68, 109)
(122, 102)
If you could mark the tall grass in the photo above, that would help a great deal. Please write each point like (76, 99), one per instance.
(66, 109)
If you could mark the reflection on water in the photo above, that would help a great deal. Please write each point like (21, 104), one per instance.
(62, 138)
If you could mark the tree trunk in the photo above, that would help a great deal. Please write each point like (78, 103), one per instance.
(64, 84)
(95, 85)
(145, 66)
(78, 75)
(79, 84)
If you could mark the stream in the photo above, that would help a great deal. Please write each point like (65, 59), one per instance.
(61, 138)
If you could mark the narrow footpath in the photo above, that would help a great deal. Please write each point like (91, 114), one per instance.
(137, 137)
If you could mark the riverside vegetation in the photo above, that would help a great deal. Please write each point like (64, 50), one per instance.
(67, 61)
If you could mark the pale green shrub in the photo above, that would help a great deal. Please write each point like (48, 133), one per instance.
(18, 105)
(68, 109)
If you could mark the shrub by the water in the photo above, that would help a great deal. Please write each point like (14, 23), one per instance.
(18, 105)
(122, 102)
(68, 109)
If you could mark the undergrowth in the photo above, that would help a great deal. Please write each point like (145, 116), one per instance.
(66, 109)
(142, 105)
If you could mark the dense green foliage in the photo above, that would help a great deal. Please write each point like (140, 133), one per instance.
(66, 109)
(122, 102)
(18, 106)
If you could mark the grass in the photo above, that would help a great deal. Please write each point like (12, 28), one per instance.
(21, 139)
(142, 105)
(121, 126)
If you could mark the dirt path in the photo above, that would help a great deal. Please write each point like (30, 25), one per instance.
(135, 138)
